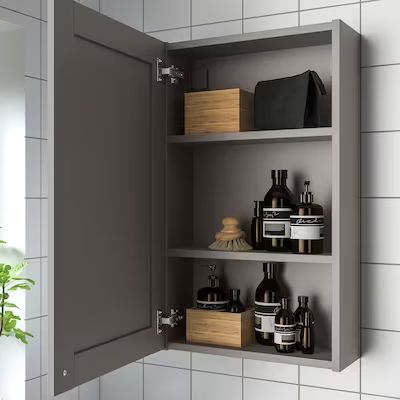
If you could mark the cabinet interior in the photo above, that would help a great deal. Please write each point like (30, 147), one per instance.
(206, 182)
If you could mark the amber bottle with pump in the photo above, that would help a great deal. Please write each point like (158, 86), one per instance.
(307, 225)
(212, 297)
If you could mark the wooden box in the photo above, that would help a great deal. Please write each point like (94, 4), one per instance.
(218, 111)
(220, 328)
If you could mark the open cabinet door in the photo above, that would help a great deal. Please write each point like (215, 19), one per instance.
(109, 195)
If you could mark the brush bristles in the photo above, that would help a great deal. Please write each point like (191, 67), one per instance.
(230, 245)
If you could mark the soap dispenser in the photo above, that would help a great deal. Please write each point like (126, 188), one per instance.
(212, 297)
(307, 225)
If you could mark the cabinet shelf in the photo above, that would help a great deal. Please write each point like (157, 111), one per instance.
(258, 256)
(322, 358)
(273, 136)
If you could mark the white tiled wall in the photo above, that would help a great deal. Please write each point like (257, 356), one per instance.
(31, 15)
(175, 375)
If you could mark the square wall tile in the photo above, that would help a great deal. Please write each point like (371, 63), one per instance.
(93, 4)
(172, 35)
(44, 286)
(214, 30)
(255, 8)
(271, 22)
(44, 345)
(90, 390)
(309, 393)
(32, 39)
(32, 107)
(171, 14)
(166, 383)
(44, 383)
(380, 219)
(380, 98)
(33, 349)
(28, 7)
(32, 246)
(44, 109)
(350, 14)
(380, 25)
(70, 395)
(348, 379)
(207, 11)
(271, 371)
(305, 4)
(380, 292)
(129, 12)
(32, 389)
(43, 29)
(379, 164)
(44, 231)
(217, 364)
(170, 358)
(380, 362)
(255, 389)
(215, 387)
(369, 397)
(33, 297)
(32, 168)
(44, 179)
(125, 383)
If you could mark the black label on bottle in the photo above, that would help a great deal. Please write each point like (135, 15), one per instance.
(276, 222)
(264, 314)
(285, 334)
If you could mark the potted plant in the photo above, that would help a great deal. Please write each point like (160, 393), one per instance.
(12, 335)
(11, 281)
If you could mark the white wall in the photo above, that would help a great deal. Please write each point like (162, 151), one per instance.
(12, 189)
(177, 375)
(31, 16)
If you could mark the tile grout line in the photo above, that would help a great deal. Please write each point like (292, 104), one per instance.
(298, 368)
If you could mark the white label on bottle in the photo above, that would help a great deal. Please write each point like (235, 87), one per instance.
(276, 223)
(309, 227)
(264, 316)
(285, 334)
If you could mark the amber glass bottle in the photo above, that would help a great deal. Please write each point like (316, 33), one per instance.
(285, 329)
(307, 225)
(278, 206)
(267, 304)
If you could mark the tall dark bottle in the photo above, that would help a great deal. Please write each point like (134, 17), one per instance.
(257, 239)
(285, 329)
(299, 316)
(307, 334)
(267, 304)
(278, 206)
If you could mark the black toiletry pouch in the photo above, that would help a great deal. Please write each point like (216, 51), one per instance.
(288, 103)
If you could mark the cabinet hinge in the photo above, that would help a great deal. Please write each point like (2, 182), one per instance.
(170, 320)
(172, 72)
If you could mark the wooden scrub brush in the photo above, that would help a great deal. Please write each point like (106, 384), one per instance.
(231, 237)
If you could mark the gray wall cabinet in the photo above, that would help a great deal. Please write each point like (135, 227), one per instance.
(137, 203)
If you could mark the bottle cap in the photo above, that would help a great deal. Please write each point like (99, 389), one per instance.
(213, 280)
(279, 173)
(285, 303)
(303, 300)
(306, 197)
(258, 208)
(235, 294)
(269, 268)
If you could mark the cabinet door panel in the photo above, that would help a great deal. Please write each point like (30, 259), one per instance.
(109, 158)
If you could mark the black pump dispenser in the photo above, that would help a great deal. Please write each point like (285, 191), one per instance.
(212, 297)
